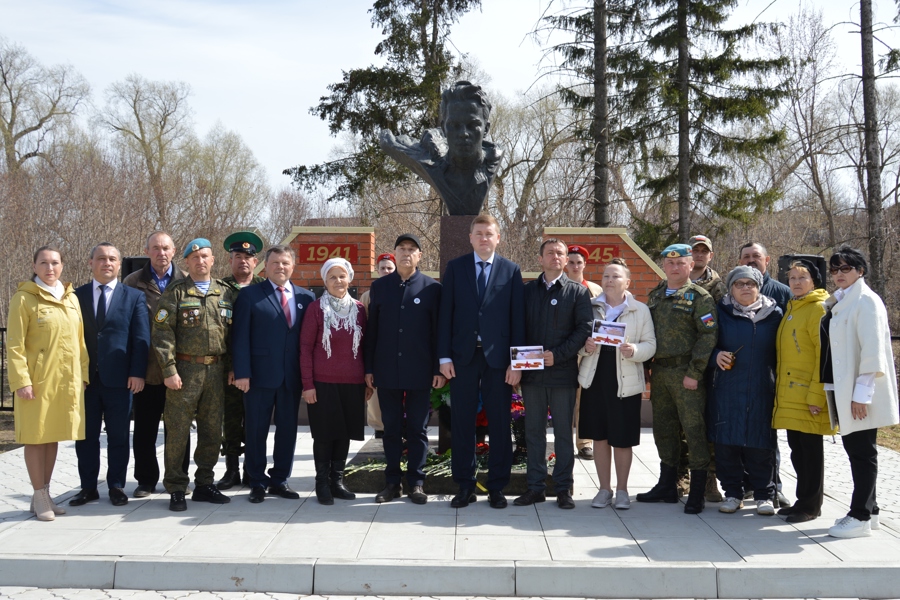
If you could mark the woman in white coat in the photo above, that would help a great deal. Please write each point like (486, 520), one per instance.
(612, 381)
(857, 368)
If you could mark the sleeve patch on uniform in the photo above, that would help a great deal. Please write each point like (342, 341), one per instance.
(708, 320)
(161, 315)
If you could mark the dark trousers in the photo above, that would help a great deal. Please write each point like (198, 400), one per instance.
(808, 458)
(417, 409)
(331, 451)
(862, 451)
(561, 403)
(259, 403)
(496, 395)
(758, 463)
(149, 405)
(112, 406)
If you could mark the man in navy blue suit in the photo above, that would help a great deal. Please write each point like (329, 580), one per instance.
(482, 315)
(265, 342)
(117, 336)
(401, 360)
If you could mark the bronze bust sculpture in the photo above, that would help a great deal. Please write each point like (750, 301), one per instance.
(455, 160)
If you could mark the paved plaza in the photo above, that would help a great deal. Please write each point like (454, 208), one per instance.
(284, 548)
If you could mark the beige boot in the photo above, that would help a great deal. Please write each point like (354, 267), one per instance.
(57, 509)
(712, 493)
(42, 509)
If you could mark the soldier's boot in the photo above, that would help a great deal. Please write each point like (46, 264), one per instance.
(712, 489)
(338, 489)
(323, 488)
(664, 490)
(695, 502)
(232, 476)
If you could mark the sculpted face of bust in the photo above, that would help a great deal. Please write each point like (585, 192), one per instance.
(465, 127)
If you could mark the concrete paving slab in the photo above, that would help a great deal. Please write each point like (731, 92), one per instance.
(595, 548)
(398, 525)
(293, 577)
(53, 541)
(248, 544)
(51, 571)
(461, 578)
(150, 542)
(768, 581)
(408, 546)
(294, 542)
(497, 522)
(501, 547)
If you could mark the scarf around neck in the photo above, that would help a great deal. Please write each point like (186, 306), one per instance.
(337, 314)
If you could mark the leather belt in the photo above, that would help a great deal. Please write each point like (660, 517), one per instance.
(478, 344)
(200, 360)
(675, 361)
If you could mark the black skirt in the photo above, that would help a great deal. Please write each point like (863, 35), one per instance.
(339, 412)
(602, 414)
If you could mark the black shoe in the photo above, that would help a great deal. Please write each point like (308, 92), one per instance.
(564, 499)
(586, 453)
(463, 499)
(530, 497)
(83, 497)
(390, 491)
(799, 517)
(284, 491)
(785, 510)
(497, 499)
(257, 494)
(338, 489)
(117, 497)
(781, 499)
(379, 434)
(323, 487)
(177, 502)
(232, 476)
(696, 501)
(209, 493)
(418, 495)
(666, 489)
(142, 491)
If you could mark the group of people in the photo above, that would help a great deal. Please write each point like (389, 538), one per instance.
(729, 361)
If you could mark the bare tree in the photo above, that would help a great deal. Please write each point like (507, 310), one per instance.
(34, 101)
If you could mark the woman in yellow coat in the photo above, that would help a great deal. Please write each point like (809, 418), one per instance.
(48, 369)
(800, 405)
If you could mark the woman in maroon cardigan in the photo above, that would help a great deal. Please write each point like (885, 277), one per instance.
(333, 373)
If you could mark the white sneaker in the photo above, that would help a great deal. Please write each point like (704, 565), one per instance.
(622, 500)
(848, 527)
(601, 500)
(731, 505)
(765, 508)
(874, 523)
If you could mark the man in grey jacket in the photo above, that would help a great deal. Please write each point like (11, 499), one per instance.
(558, 316)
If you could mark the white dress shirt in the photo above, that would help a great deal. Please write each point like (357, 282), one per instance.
(289, 294)
(110, 287)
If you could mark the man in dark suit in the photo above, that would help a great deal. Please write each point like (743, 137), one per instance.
(149, 403)
(117, 336)
(265, 346)
(482, 315)
(401, 360)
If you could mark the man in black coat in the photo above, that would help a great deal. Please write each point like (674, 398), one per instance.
(401, 361)
(558, 316)
(482, 315)
(117, 336)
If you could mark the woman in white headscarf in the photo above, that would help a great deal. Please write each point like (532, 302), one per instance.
(333, 374)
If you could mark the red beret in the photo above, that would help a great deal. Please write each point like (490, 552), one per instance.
(579, 250)
(386, 256)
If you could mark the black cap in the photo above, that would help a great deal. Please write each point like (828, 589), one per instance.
(813, 271)
(408, 236)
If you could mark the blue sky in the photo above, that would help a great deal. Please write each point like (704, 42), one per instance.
(259, 66)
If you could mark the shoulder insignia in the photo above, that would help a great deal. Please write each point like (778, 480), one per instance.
(161, 315)
(708, 320)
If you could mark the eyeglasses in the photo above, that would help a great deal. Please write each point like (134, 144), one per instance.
(842, 269)
(744, 284)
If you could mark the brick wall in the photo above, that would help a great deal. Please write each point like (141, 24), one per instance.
(605, 242)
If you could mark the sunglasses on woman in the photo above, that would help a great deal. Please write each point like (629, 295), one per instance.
(842, 269)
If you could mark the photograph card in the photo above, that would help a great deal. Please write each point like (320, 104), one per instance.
(527, 358)
(608, 333)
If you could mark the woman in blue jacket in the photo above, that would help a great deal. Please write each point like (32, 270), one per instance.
(742, 391)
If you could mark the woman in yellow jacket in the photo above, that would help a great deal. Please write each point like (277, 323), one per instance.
(800, 405)
(48, 369)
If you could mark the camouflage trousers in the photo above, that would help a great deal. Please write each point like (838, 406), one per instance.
(233, 422)
(676, 409)
(200, 398)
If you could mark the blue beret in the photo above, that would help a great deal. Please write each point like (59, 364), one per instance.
(195, 245)
(676, 251)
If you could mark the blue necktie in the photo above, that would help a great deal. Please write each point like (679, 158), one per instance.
(101, 306)
(482, 279)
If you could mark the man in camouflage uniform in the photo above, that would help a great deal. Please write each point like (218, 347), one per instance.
(684, 317)
(702, 274)
(190, 338)
(243, 247)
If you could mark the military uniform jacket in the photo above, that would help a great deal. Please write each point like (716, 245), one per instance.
(401, 334)
(712, 283)
(686, 325)
(143, 281)
(187, 322)
(231, 282)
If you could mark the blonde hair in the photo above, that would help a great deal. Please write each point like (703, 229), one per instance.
(484, 219)
(621, 263)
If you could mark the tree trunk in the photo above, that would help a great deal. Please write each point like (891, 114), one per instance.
(601, 119)
(684, 139)
(873, 166)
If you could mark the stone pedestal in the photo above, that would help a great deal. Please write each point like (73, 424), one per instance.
(454, 237)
